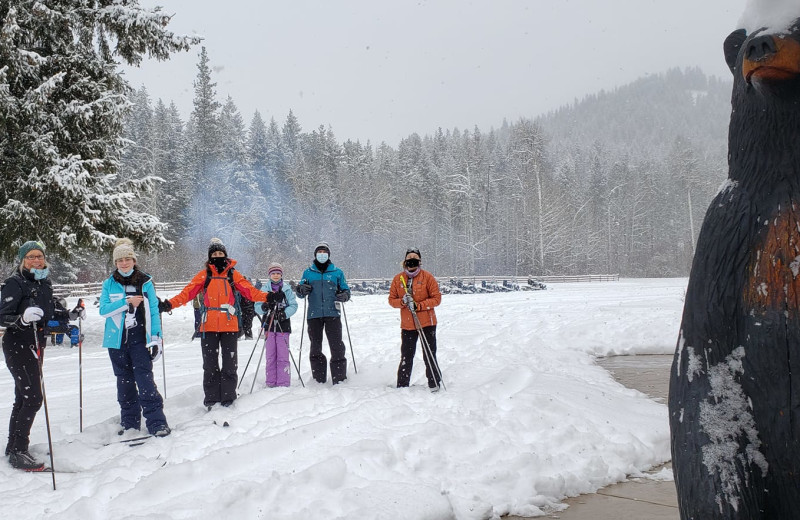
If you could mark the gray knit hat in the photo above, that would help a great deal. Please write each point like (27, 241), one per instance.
(123, 249)
(322, 245)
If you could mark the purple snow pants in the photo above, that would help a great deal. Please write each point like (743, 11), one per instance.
(278, 370)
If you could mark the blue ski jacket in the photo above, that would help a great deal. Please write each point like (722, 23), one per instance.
(113, 308)
(322, 300)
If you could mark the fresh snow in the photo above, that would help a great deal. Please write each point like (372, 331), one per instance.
(527, 419)
(774, 15)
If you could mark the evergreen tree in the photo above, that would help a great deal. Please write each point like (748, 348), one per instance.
(62, 106)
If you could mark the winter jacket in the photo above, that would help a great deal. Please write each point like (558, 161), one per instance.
(425, 290)
(289, 310)
(218, 293)
(322, 300)
(114, 308)
(19, 292)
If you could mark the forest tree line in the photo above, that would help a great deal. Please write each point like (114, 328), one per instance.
(616, 183)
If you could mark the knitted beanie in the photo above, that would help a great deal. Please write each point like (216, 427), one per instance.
(123, 249)
(322, 245)
(29, 246)
(275, 267)
(216, 245)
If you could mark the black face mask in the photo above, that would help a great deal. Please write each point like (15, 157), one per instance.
(412, 263)
(220, 262)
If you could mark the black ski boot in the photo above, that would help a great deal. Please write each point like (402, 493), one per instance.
(24, 461)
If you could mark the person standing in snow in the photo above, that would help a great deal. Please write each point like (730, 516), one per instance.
(248, 312)
(219, 329)
(417, 289)
(279, 307)
(132, 336)
(325, 285)
(26, 305)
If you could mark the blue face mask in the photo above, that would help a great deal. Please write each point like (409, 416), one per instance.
(40, 274)
(125, 274)
(322, 257)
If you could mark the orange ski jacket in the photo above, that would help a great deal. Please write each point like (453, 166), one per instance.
(425, 290)
(218, 297)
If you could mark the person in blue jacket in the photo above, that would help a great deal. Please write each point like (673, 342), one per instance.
(133, 338)
(325, 285)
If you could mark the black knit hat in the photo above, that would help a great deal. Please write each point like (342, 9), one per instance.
(216, 245)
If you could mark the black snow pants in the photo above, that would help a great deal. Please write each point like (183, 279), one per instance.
(219, 386)
(24, 368)
(333, 331)
(408, 348)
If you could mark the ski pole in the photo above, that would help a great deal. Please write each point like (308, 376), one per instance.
(296, 368)
(263, 349)
(40, 358)
(163, 363)
(302, 332)
(426, 348)
(260, 330)
(352, 356)
(80, 364)
(427, 352)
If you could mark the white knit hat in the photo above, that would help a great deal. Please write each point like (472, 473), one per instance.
(124, 249)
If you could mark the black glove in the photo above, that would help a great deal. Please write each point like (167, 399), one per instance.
(164, 305)
(343, 296)
(274, 298)
(303, 289)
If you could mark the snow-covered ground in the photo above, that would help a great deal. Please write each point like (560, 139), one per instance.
(527, 419)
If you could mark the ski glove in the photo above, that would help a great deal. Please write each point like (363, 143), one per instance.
(164, 305)
(78, 313)
(32, 313)
(156, 348)
(274, 298)
(303, 289)
(343, 296)
(407, 299)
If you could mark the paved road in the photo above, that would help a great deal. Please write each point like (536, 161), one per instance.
(637, 499)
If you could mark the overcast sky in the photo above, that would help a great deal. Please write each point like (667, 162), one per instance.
(380, 70)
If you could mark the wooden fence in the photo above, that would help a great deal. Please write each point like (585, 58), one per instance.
(94, 288)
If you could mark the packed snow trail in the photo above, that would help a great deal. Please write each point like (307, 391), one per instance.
(526, 420)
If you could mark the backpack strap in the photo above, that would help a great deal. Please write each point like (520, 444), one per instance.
(209, 277)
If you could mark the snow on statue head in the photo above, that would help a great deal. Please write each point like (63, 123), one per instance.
(734, 403)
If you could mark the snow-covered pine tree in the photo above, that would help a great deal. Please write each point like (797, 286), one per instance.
(62, 104)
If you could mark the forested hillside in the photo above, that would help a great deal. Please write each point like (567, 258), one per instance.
(616, 182)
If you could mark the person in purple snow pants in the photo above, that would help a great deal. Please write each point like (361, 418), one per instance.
(281, 304)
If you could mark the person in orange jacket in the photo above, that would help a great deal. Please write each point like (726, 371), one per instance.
(219, 327)
(416, 288)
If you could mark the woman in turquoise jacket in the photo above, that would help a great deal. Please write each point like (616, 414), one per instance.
(325, 285)
(133, 338)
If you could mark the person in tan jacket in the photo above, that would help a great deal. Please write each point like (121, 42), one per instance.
(417, 289)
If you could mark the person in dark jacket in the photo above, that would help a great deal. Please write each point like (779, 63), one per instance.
(326, 288)
(26, 305)
(248, 313)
